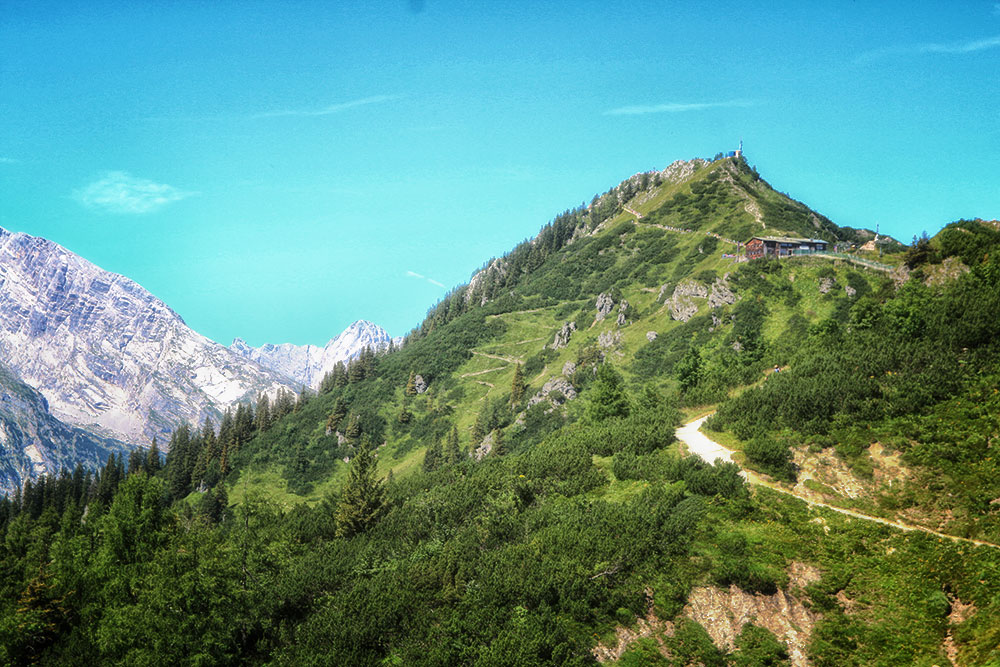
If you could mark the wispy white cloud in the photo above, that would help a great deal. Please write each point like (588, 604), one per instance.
(962, 47)
(414, 274)
(968, 46)
(120, 192)
(326, 111)
(675, 107)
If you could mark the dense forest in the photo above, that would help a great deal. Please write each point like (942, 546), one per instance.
(526, 501)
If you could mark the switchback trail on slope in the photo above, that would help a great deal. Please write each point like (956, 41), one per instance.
(707, 449)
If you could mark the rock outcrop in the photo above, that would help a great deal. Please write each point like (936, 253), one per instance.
(563, 335)
(307, 364)
(106, 354)
(33, 442)
(682, 304)
(604, 306)
(720, 294)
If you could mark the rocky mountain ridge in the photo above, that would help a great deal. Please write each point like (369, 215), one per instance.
(105, 353)
(33, 442)
(307, 364)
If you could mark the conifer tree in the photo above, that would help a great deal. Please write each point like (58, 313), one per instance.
(479, 428)
(263, 416)
(452, 453)
(302, 399)
(517, 386)
(433, 457)
(499, 446)
(362, 498)
(135, 462)
(339, 374)
(336, 415)
(607, 396)
(411, 385)
(353, 430)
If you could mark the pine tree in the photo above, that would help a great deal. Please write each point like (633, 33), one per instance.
(242, 426)
(411, 385)
(178, 472)
(336, 415)
(302, 399)
(135, 461)
(607, 396)
(263, 416)
(517, 386)
(499, 446)
(479, 428)
(353, 430)
(339, 374)
(362, 498)
(433, 457)
(452, 453)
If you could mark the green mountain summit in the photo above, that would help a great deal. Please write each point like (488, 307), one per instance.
(506, 486)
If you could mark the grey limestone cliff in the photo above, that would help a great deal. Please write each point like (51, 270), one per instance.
(105, 353)
(33, 442)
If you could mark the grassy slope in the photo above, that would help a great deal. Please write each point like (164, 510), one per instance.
(891, 591)
(529, 331)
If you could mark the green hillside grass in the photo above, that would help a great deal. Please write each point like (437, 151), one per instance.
(584, 513)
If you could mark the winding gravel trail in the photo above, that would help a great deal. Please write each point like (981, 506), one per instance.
(707, 449)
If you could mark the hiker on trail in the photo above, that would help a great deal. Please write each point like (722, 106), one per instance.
(777, 368)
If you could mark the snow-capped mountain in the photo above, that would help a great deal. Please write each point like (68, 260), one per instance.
(307, 364)
(105, 353)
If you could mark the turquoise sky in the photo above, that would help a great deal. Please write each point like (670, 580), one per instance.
(276, 170)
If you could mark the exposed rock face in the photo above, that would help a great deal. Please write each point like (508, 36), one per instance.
(722, 613)
(307, 364)
(609, 340)
(558, 384)
(682, 303)
(563, 335)
(604, 306)
(622, 310)
(33, 442)
(650, 336)
(106, 353)
(474, 292)
(826, 284)
(721, 295)
(419, 384)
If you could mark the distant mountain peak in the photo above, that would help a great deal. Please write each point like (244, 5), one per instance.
(307, 364)
(106, 353)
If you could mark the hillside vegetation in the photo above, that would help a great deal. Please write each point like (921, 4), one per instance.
(506, 489)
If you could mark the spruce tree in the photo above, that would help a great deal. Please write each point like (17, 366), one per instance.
(263, 416)
(411, 385)
(362, 498)
(353, 430)
(517, 386)
(135, 462)
(452, 453)
(479, 428)
(336, 415)
(607, 396)
(499, 446)
(432, 457)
